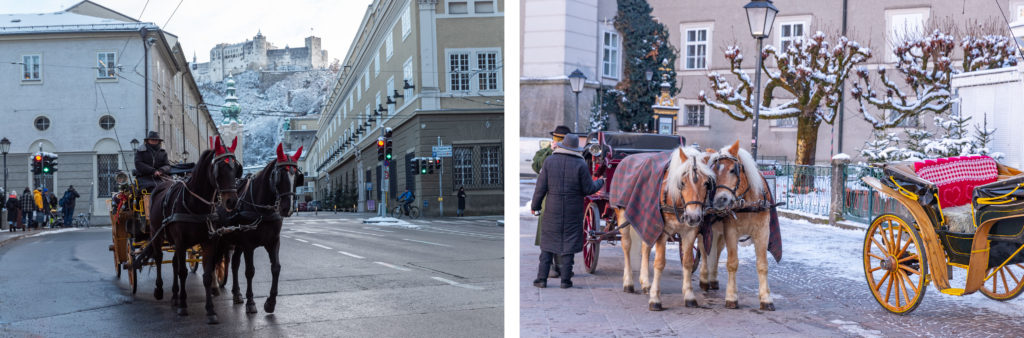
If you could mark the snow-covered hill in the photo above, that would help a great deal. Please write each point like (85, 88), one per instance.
(267, 99)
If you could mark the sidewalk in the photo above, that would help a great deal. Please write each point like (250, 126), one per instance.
(7, 236)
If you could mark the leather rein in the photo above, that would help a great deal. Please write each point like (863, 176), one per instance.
(264, 212)
(742, 206)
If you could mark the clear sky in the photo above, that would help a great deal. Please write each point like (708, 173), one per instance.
(201, 24)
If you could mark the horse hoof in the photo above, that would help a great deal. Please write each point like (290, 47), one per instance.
(250, 308)
(705, 286)
(158, 294)
(628, 289)
(238, 298)
(182, 311)
(691, 303)
(714, 285)
(767, 306)
(215, 291)
(269, 307)
(655, 307)
(732, 304)
(212, 320)
(646, 290)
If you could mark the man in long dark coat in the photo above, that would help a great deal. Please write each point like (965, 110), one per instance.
(538, 162)
(151, 162)
(565, 180)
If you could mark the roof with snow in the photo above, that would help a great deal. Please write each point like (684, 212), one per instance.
(65, 21)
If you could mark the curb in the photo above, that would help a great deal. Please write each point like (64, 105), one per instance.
(15, 238)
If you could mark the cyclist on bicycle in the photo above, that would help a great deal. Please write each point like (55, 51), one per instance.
(406, 198)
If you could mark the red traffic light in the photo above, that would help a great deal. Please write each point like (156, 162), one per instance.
(39, 158)
(380, 143)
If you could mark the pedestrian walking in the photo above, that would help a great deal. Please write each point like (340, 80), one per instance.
(28, 206)
(566, 179)
(538, 162)
(13, 212)
(462, 202)
(68, 207)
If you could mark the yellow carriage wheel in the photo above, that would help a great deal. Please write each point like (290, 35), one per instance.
(894, 264)
(1005, 284)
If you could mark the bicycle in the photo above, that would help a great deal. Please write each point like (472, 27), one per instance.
(414, 212)
(82, 220)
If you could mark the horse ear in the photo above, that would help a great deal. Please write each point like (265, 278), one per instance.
(234, 144)
(298, 153)
(709, 151)
(281, 157)
(735, 149)
(682, 155)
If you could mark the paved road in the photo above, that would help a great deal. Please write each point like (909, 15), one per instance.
(811, 300)
(440, 277)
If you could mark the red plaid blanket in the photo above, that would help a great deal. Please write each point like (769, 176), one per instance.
(956, 177)
(636, 187)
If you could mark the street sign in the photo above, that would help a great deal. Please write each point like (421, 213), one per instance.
(369, 186)
(442, 151)
(371, 205)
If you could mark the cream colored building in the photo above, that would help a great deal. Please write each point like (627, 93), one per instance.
(432, 71)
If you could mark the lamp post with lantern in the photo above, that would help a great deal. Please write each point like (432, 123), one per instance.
(5, 147)
(576, 81)
(760, 18)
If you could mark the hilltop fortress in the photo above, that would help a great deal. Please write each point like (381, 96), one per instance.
(258, 54)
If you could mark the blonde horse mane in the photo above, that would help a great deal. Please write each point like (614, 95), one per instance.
(678, 169)
(754, 178)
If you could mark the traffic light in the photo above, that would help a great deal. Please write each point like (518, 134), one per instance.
(414, 164)
(387, 149)
(423, 166)
(388, 132)
(37, 164)
(380, 148)
(49, 164)
(430, 165)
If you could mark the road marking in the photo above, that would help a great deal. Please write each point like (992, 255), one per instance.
(288, 237)
(393, 266)
(351, 255)
(301, 240)
(359, 232)
(454, 283)
(425, 242)
(325, 247)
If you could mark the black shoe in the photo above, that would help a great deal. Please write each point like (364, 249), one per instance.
(540, 283)
(566, 284)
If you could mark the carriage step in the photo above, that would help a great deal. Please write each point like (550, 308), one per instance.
(953, 291)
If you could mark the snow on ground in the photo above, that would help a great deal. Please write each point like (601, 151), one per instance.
(528, 146)
(44, 233)
(390, 221)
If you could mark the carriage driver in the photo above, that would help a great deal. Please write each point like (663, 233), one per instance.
(151, 162)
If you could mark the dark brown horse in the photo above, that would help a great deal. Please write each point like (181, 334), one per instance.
(263, 201)
(182, 213)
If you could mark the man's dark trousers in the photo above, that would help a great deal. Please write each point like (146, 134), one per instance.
(564, 267)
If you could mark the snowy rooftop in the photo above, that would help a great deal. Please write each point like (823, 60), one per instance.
(58, 22)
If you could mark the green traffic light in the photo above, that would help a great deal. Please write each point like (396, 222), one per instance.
(423, 171)
(46, 170)
(388, 156)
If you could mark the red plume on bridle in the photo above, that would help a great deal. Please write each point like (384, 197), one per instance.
(217, 145)
(234, 144)
(295, 158)
(281, 157)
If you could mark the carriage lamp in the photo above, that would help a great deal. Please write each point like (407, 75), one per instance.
(134, 143)
(595, 149)
(760, 18)
(576, 81)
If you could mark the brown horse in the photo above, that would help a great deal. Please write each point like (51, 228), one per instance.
(684, 191)
(182, 213)
(740, 188)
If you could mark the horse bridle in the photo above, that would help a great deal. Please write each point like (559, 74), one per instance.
(737, 170)
(274, 180)
(230, 160)
(679, 210)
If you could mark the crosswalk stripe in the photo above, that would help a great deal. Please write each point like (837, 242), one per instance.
(393, 266)
(425, 242)
(351, 255)
(454, 283)
(322, 246)
(301, 240)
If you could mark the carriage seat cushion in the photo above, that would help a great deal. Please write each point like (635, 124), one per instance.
(956, 177)
(959, 219)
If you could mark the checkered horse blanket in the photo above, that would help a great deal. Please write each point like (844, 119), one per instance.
(956, 177)
(636, 188)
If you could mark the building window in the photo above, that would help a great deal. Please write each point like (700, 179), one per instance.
(107, 65)
(366, 79)
(610, 55)
(107, 122)
(376, 64)
(789, 32)
(462, 165)
(458, 7)
(32, 67)
(458, 72)
(390, 93)
(483, 6)
(694, 115)
(488, 65)
(696, 48)
(789, 122)
(407, 77)
(42, 123)
(389, 46)
(490, 165)
(406, 22)
(904, 26)
(106, 169)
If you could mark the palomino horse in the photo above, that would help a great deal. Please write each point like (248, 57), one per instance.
(266, 197)
(183, 214)
(684, 191)
(740, 192)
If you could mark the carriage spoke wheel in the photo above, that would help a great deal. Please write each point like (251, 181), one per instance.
(1005, 284)
(591, 248)
(894, 264)
(133, 277)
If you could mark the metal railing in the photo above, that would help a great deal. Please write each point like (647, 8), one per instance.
(862, 203)
(808, 189)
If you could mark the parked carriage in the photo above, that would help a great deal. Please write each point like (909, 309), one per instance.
(129, 210)
(603, 153)
(967, 213)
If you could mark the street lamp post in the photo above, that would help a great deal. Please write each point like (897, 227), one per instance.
(761, 18)
(135, 144)
(576, 80)
(5, 146)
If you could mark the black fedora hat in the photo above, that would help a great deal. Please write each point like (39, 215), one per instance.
(154, 136)
(561, 131)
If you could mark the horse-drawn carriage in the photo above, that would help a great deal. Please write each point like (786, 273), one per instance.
(966, 213)
(603, 153)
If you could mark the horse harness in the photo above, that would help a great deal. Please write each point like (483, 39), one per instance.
(180, 187)
(263, 212)
(754, 206)
(678, 210)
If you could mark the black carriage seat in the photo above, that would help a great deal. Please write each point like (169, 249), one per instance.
(625, 144)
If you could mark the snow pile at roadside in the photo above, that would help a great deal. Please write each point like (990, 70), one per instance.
(44, 233)
(391, 221)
